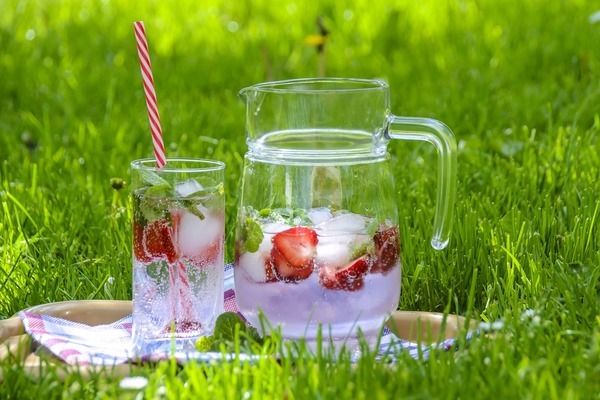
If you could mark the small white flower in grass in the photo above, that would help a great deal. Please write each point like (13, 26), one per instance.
(594, 18)
(529, 313)
(161, 391)
(30, 34)
(491, 326)
(108, 286)
(233, 26)
(531, 316)
(133, 383)
(511, 147)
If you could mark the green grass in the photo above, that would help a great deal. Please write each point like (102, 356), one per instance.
(519, 83)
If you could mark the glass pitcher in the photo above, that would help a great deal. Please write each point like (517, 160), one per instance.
(317, 241)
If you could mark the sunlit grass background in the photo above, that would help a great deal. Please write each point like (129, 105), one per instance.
(518, 82)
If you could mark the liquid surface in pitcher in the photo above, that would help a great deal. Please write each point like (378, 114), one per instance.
(318, 145)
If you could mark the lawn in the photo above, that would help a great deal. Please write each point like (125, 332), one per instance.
(517, 81)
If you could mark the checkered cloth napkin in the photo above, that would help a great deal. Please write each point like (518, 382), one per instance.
(111, 344)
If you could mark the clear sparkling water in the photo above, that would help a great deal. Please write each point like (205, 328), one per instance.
(176, 303)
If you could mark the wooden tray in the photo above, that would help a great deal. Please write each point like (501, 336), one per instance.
(16, 344)
(414, 326)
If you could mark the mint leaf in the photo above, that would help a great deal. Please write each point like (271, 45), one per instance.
(224, 333)
(225, 326)
(162, 190)
(138, 215)
(192, 207)
(265, 212)
(213, 201)
(285, 214)
(252, 235)
(152, 178)
(289, 216)
(159, 271)
(198, 278)
(153, 199)
(205, 343)
(361, 250)
(197, 193)
(154, 206)
(300, 217)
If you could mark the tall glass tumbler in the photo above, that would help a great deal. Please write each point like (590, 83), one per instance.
(178, 233)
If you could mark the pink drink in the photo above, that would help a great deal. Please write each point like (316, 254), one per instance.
(341, 270)
(177, 270)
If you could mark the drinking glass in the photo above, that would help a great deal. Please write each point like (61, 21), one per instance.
(178, 233)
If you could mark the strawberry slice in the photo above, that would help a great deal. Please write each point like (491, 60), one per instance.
(349, 277)
(293, 253)
(286, 271)
(158, 241)
(138, 244)
(387, 249)
(298, 245)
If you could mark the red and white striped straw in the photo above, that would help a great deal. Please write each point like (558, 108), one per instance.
(151, 103)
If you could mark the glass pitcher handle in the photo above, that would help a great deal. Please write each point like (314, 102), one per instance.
(438, 134)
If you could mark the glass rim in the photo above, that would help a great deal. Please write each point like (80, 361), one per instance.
(204, 165)
(337, 85)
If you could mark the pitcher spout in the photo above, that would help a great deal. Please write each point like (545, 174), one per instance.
(243, 93)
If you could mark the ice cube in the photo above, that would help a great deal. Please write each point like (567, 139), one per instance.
(274, 227)
(347, 223)
(196, 235)
(188, 187)
(254, 263)
(336, 250)
(333, 250)
(319, 215)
